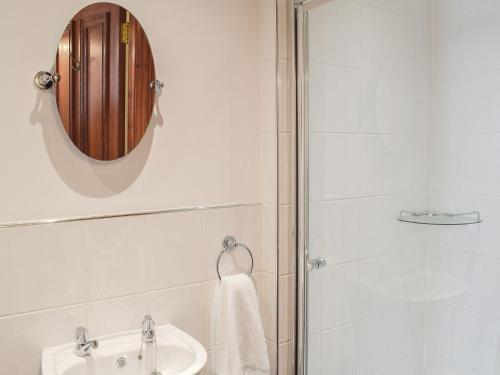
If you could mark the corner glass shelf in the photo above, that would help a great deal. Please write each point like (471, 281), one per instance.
(440, 218)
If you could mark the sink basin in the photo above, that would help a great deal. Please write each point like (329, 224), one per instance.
(118, 354)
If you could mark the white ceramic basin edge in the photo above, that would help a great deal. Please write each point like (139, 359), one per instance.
(178, 354)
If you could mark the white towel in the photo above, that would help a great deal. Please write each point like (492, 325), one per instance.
(238, 342)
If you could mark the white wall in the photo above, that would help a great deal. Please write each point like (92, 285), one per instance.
(463, 330)
(203, 148)
(369, 115)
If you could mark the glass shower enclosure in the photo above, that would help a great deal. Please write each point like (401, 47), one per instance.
(398, 186)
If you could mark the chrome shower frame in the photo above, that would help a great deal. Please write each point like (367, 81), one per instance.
(302, 187)
(303, 264)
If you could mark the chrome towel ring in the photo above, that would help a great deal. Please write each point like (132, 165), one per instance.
(228, 244)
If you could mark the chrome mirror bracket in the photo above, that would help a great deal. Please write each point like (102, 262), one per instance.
(157, 86)
(45, 80)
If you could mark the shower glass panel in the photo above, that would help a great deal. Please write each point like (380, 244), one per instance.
(398, 113)
(367, 160)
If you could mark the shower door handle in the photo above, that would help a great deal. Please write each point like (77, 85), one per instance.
(316, 264)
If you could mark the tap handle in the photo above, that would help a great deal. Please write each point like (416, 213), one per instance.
(148, 327)
(81, 336)
(148, 324)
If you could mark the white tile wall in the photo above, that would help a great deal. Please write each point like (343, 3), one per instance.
(480, 95)
(116, 315)
(181, 306)
(341, 34)
(340, 295)
(114, 253)
(476, 342)
(268, 307)
(339, 350)
(173, 238)
(286, 232)
(106, 274)
(9, 354)
(462, 332)
(480, 30)
(404, 114)
(341, 155)
(286, 297)
(439, 333)
(6, 298)
(378, 36)
(379, 102)
(286, 358)
(342, 99)
(53, 258)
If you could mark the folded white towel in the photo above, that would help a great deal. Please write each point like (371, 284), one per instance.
(238, 342)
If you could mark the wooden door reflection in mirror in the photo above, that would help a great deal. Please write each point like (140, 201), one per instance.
(106, 66)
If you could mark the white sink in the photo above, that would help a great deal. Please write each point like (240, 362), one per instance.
(178, 353)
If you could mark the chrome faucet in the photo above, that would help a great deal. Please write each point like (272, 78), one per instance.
(148, 329)
(83, 344)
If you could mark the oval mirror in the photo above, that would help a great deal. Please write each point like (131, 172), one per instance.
(104, 68)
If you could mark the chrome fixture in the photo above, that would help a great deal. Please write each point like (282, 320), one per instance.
(440, 218)
(148, 329)
(149, 337)
(316, 264)
(72, 219)
(228, 244)
(83, 344)
(45, 80)
(121, 362)
(302, 283)
(157, 86)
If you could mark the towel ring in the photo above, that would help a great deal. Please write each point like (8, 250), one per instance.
(228, 244)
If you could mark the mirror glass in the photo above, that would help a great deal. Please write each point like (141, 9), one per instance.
(105, 69)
